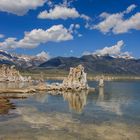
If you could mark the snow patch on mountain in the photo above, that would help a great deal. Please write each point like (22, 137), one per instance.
(24, 60)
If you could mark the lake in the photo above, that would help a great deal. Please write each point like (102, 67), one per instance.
(111, 113)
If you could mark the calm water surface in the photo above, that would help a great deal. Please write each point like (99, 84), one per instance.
(111, 113)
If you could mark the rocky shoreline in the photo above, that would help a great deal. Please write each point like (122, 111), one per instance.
(75, 82)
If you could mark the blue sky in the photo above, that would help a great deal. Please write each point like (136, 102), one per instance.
(70, 27)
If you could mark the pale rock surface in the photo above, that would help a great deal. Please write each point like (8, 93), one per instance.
(101, 82)
(10, 74)
(77, 78)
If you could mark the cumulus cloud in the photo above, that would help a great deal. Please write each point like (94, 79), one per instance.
(87, 53)
(50, 3)
(109, 23)
(73, 29)
(56, 33)
(1, 36)
(20, 7)
(67, 2)
(125, 25)
(115, 50)
(116, 22)
(130, 8)
(43, 55)
(85, 17)
(9, 43)
(61, 12)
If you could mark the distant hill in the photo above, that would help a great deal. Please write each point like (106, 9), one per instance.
(93, 64)
(96, 64)
(23, 61)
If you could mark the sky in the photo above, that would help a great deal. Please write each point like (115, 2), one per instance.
(70, 27)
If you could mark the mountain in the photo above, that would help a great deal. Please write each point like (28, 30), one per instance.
(96, 64)
(93, 64)
(24, 61)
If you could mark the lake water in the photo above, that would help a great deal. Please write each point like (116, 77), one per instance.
(111, 113)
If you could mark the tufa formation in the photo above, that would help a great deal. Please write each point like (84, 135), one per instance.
(9, 73)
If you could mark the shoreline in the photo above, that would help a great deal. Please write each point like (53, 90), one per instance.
(90, 78)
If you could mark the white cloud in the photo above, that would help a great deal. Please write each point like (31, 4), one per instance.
(73, 29)
(85, 17)
(8, 43)
(87, 53)
(125, 25)
(59, 12)
(110, 22)
(77, 26)
(20, 7)
(116, 22)
(80, 35)
(50, 3)
(115, 50)
(67, 2)
(43, 55)
(1, 36)
(62, 12)
(130, 8)
(56, 33)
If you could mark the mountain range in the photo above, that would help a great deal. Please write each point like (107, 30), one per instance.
(93, 64)
(25, 61)
(96, 64)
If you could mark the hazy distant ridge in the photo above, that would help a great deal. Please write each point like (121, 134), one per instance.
(96, 64)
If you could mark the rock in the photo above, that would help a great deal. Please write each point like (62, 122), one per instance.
(101, 82)
(12, 75)
(77, 79)
(40, 87)
(75, 82)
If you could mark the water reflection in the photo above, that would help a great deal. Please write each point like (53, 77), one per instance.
(40, 97)
(111, 105)
(5, 106)
(6, 85)
(37, 119)
(107, 115)
(6, 101)
(76, 100)
(101, 94)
